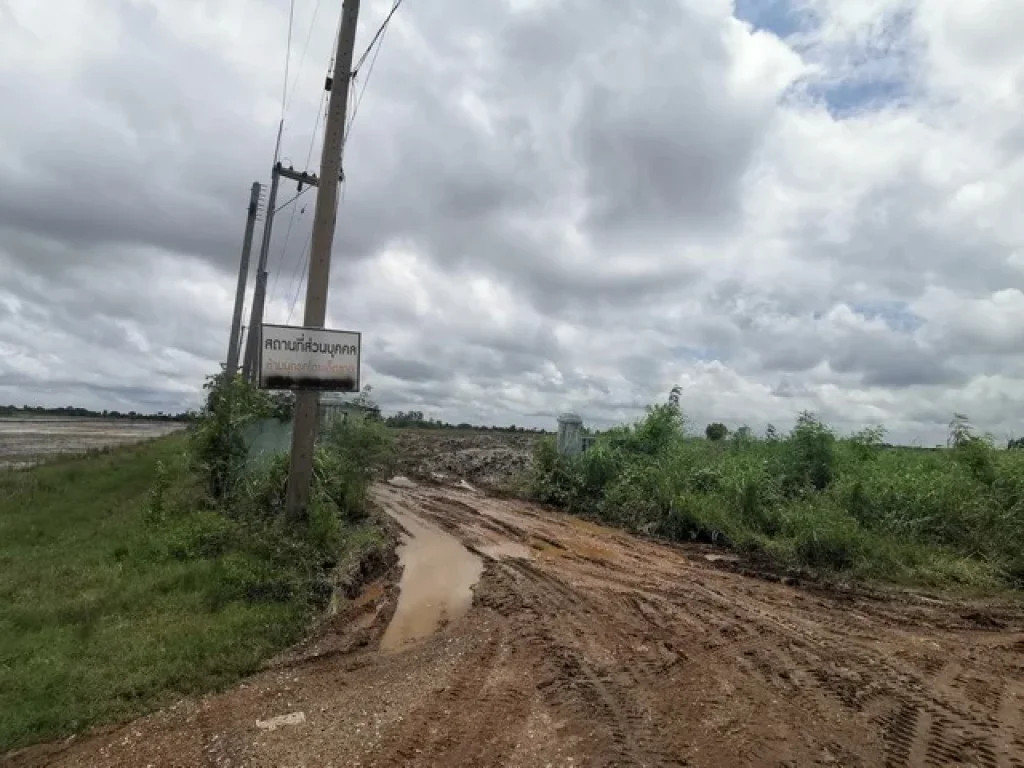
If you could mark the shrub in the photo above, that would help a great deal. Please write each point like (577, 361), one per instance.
(216, 443)
(824, 537)
(716, 431)
(809, 498)
(810, 460)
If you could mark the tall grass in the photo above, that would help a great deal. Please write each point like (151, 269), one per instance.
(810, 498)
(149, 572)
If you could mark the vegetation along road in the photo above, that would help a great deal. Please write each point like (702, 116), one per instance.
(659, 601)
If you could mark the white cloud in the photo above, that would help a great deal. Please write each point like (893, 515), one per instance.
(550, 205)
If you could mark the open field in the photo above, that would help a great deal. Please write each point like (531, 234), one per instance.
(24, 442)
(584, 646)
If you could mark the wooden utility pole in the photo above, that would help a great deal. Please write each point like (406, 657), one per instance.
(243, 273)
(307, 404)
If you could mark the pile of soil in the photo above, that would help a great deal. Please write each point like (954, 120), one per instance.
(483, 459)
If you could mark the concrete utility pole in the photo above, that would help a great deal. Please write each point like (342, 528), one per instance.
(243, 273)
(259, 296)
(307, 403)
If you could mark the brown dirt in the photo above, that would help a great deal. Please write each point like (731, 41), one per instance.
(587, 647)
(483, 459)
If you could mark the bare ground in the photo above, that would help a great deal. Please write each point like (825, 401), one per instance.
(25, 442)
(586, 647)
(483, 459)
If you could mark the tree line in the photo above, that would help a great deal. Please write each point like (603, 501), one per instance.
(68, 411)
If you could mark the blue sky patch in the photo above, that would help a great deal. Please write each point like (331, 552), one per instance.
(775, 16)
(896, 314)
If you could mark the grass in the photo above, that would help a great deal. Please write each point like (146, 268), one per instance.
(848, 506)
(123, 586)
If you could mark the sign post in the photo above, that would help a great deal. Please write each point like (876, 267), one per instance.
(309, 359)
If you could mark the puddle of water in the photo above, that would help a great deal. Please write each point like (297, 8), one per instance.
(436, 583)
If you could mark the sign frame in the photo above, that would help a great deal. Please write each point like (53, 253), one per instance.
(327, 385)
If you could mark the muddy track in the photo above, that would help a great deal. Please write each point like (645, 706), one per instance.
(586, 647)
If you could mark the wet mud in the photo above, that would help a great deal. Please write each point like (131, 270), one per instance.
(438, 576)
(583, 646)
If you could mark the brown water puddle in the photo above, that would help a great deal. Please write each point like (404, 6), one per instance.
(437, 580)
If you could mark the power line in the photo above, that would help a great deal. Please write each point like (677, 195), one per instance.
(295, 197)
(298, 287)
(284, 250)
(379, 40)
(287, 58)
(359, 99)
(375, 46)
(305, 46)
(379, 33)
(291, 219)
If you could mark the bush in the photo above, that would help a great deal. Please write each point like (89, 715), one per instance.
(240, 526)
(716, 431)
(824, 537)
(808, 498)
(216, 443)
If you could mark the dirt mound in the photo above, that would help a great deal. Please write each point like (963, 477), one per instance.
(485, 460)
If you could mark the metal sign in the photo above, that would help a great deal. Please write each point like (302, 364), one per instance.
(294, 357)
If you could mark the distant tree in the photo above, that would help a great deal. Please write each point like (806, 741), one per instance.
(743, 434)
(960, 431)
(716, 431)
(673, 396)
(771, 434)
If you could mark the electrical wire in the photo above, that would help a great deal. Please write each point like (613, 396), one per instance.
(298, 287)
(287, 58)
(295, 197)
(305, 47)
(376, 37)
(359, 100)
(291, 219)
(375, 45)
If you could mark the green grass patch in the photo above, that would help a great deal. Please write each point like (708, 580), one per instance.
(810, 499)
(124, 586)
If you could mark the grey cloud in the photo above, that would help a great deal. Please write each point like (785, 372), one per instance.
(615, 158)
(408, 370)
(892, 362)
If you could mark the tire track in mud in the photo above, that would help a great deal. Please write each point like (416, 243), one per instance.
(561, 636)
(920, 712)
(443, 728)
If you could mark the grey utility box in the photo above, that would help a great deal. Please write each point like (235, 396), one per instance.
(570, 434)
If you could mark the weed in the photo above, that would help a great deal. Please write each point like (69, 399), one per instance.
(808, 498)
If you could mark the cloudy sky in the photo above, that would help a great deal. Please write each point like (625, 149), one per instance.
(777, 204)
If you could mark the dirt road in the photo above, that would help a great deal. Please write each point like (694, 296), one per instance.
(586, 647)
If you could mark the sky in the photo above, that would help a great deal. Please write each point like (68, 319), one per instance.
(550, 205)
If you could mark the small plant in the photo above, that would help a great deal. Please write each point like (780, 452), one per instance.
(156, 503)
